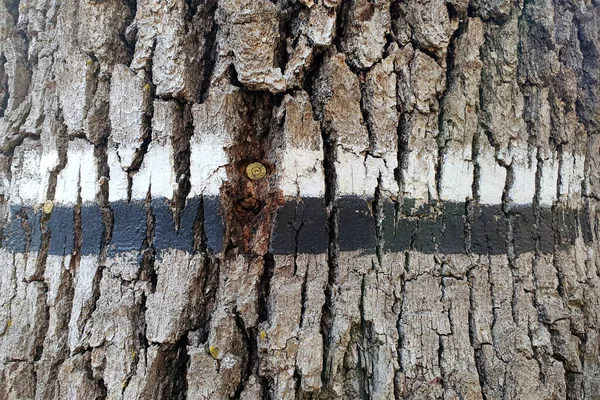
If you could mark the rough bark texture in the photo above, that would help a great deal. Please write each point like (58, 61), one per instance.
(428, 227)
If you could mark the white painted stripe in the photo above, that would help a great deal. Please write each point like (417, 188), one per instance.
(32, 169)
(549, 181)
(212, 136)
(299, 164)
(207, 168)
(351, 173)
(48, 163)
(572, 174)
(359, 175)
(456, 182)
(419, 175)
(300, 172)
(492, 177)
(81, 167)
(524, 166)
(156, 174)
(117, 187)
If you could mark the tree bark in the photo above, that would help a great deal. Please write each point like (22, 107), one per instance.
(427, 226)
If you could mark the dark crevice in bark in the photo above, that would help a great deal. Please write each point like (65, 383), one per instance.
(366, 116)
(403, 152)
(543, 359)
(442, 150)
(140, 340)
(395, 15)
(297, 238)
(89, 309)
(191, 10)
(148, 251)
(366, 350)
(330, 150)
(400, 392)
(15, 138)
(210, 277)
(12, 6)
(588, 99)
(286, 16)
(138, 158)
(477, 351)
(398, 389)
(378, 215)
(206, 13)
(560, 150)
(178, 370)
(100, 383)
(299, 394)
(561, 287)
(588, 211)
(62, 145)
(128, 35)
(343, 14)
(250, 334)
(233, 78)
(510, 240)
(496, 306)
(167, 376)
(42, 328)
(102, 196)
(266, 386)
(200, 243)
(65, 295)
(250, 359)
(24, 64)
(574, 381)
(311, 76)
(440, 359)
(77, 225)
(208, 287)
(181, 162)
(470, 205)
(303, 293)
(148, 114)
(442, 138)
(264, 288)
(4, 93)
(476, 151)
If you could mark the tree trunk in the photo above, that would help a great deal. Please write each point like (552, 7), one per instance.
(427, 226)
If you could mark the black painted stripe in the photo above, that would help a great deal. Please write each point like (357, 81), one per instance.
(302, 226)
(129, 231)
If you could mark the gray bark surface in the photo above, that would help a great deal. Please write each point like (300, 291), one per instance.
(498, 299)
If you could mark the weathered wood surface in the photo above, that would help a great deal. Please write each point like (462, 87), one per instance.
(428, 228)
